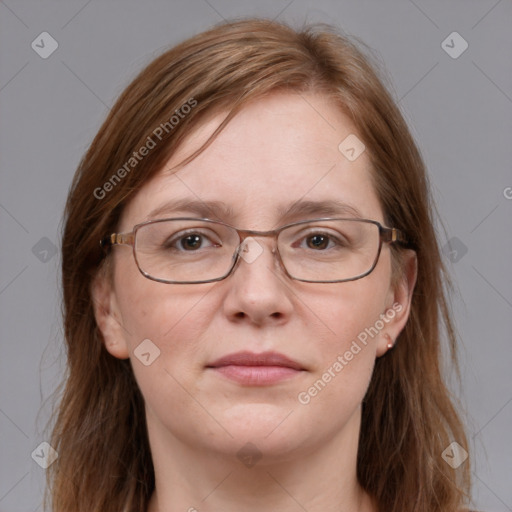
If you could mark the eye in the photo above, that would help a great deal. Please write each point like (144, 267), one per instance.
(189, 241)
(321, 240)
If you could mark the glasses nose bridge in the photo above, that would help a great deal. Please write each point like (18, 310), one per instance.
(243, 234)
(240, 252)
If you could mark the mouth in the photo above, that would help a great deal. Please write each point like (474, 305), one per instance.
(252, 369)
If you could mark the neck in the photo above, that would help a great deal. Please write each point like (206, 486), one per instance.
(319, 478)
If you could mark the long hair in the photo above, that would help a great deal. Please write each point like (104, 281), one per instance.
(408, 415)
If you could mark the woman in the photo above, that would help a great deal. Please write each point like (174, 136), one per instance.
(259, 328)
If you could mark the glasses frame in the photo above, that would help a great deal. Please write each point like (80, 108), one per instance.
(386, 235)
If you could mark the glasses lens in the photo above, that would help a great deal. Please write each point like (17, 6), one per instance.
(329, 250)
(185, 250)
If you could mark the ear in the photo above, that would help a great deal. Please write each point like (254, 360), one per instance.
(106, 312)
(398, 302)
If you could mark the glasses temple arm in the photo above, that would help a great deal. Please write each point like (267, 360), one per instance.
(392, 235)
(117, 239)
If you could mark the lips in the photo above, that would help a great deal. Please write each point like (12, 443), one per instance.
(252, 369)
(251, 359)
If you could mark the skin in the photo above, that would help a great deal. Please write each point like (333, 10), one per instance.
(276, 151)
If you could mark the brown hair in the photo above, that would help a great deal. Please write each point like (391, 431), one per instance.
(408, 415)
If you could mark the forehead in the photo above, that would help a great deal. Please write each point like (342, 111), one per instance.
(279, 151)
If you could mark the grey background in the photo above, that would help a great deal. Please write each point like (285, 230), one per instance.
(459, 111)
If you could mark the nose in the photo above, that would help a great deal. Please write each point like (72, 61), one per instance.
(258, 291)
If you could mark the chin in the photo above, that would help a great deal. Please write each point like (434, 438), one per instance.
(270, 427)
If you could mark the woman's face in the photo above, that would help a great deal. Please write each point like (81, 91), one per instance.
(276, 152)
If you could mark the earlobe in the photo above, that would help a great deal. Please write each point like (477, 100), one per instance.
(390, 343)
(399, 303)
(106, 315)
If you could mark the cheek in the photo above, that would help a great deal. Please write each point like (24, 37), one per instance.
(352, 309)
(157, 311)
(173, 319)
(339, 383)
(351, 314)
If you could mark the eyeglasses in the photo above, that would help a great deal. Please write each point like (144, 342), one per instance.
(193, 250)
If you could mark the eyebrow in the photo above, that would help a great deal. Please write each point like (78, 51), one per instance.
(220, 210)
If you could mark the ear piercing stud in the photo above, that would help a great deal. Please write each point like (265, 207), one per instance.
(390, 342)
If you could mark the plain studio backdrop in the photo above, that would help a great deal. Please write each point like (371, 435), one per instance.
(64, 63)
